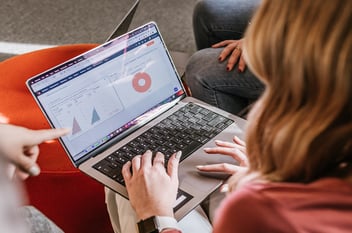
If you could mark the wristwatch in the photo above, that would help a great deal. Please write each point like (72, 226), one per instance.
(156, 224)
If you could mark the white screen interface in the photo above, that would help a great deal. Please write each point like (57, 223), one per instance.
(104, 92)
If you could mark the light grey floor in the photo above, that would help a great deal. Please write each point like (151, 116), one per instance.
(31, 24)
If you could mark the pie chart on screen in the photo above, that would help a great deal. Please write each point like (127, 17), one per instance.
(141, 82)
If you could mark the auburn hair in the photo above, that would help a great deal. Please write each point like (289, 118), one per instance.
(301, 127)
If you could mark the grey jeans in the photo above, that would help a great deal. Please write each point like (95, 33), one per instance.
(217, 20)
(209, 81)
(214, 21)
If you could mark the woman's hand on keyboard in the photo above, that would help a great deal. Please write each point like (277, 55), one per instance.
(151, 188)
(235, 149)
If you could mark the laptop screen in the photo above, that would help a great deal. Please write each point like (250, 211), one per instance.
(109, 91)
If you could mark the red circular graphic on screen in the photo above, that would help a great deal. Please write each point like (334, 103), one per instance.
(141, 82)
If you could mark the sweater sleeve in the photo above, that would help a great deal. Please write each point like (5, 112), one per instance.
(248, 211)
(287, 207)
(234, 214)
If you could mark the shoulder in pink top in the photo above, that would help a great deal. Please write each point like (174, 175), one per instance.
(321, 206)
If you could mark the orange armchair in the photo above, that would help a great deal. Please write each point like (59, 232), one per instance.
(71, 199)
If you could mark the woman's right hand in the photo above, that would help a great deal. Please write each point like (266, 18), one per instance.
(144, 182)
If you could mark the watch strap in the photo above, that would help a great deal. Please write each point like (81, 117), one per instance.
(157, 224)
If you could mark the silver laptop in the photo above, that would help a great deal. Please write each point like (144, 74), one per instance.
(124, 97)
(123, 26)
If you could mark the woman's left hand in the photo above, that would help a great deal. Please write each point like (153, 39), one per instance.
(233, 50)
(151, 188)
(235, 149)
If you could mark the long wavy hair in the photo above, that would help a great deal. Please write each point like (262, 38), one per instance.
(301, 127)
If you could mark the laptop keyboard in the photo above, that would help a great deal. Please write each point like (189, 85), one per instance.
(185, 130)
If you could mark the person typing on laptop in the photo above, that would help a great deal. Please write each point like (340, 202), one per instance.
(298, 140)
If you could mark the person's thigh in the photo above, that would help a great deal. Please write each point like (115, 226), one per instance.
(209, 81)
(217, 20)
(124, 219)
(122, 216)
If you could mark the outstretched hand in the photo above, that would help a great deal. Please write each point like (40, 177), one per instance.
(151, 188)
(19, 146)
(235, 149)
(233, 50)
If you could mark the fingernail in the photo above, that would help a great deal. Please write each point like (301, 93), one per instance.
(206, 149)
(219, 142)
(178, 154)
(34, 170)
(220, 59)
(224, 188)
(239, 71)
(228, 68)
(199, 167)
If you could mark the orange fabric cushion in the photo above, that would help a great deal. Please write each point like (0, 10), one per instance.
(71, 199)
